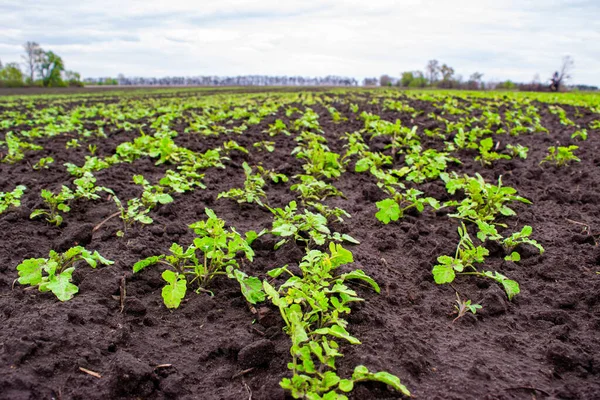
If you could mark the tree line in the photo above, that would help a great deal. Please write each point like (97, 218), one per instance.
(42, 68)
(244, 80)
(444, 76)
(47, 69)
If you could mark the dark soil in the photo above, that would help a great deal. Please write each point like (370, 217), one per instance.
(545, 344)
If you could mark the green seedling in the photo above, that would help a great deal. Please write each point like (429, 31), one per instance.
(85, 188)
(394, 208)
(309, 121)
(253, 191)
(463, 263)
(307, 227)
(72, 144)
(92, 164)
(319, 162)
(181, 182)
(43, 163)
(152, 194)
(137, 209)
(580, 134)
(483, 200)
(486, 155)
(312, 306)
(11, 199)
(370, 161)
(516, 239)
(313, 189)
(92, 148)
(278, 127)
(213, 253)
(561, 155)
(232, 145)
(426, 165)
(15, 148)
(54, 273)
(266, 145)
(518, 150)
(463, 307)
(401, 137)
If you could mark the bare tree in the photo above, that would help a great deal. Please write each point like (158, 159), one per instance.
(433, 69)
(32, 58)
(447, 72)
(559, 78)
(474, 81)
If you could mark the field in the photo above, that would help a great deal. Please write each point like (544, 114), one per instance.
(361, 244)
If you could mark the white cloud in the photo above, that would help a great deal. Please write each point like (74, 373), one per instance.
(502, 39)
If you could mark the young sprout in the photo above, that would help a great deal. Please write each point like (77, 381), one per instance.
(561, 155)
(463, 307)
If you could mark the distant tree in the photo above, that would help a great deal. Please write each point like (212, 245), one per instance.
(406, 78)
(370, 82)
(419, 80)
(73, 78)
(385, 80)
(432, 70)
(33, 57)
(506, 85)
(11, 75)
(474, 81)
(560, 77)
(447, 72)
(51, 67)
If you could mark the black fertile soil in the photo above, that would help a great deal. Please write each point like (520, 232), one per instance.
(545, 344)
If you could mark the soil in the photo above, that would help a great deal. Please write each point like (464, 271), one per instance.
(545, 344)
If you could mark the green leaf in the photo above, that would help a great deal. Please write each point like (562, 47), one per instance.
(362, 165)
(339, 255)
(389, 210)
(346, 385)
(138, 266)
(284, 230)
(361, 373)
(330, 379)
(101, 259)
(511, 288)
(164, 198)
(174, 292)
(359, 274)
(61, 285)
(349, 238)
(30, 271)
(275, 272)
(486, 144)
(339, 332)
(514, 256)
(251, 287)
(444, 273)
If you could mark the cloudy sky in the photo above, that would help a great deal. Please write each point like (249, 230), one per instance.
(500, 38)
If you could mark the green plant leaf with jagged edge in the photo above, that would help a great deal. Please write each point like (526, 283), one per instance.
(11, 199)
(54, 273)
(212, 253)
(312, 306)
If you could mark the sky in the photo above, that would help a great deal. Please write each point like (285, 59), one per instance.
(502, 39)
